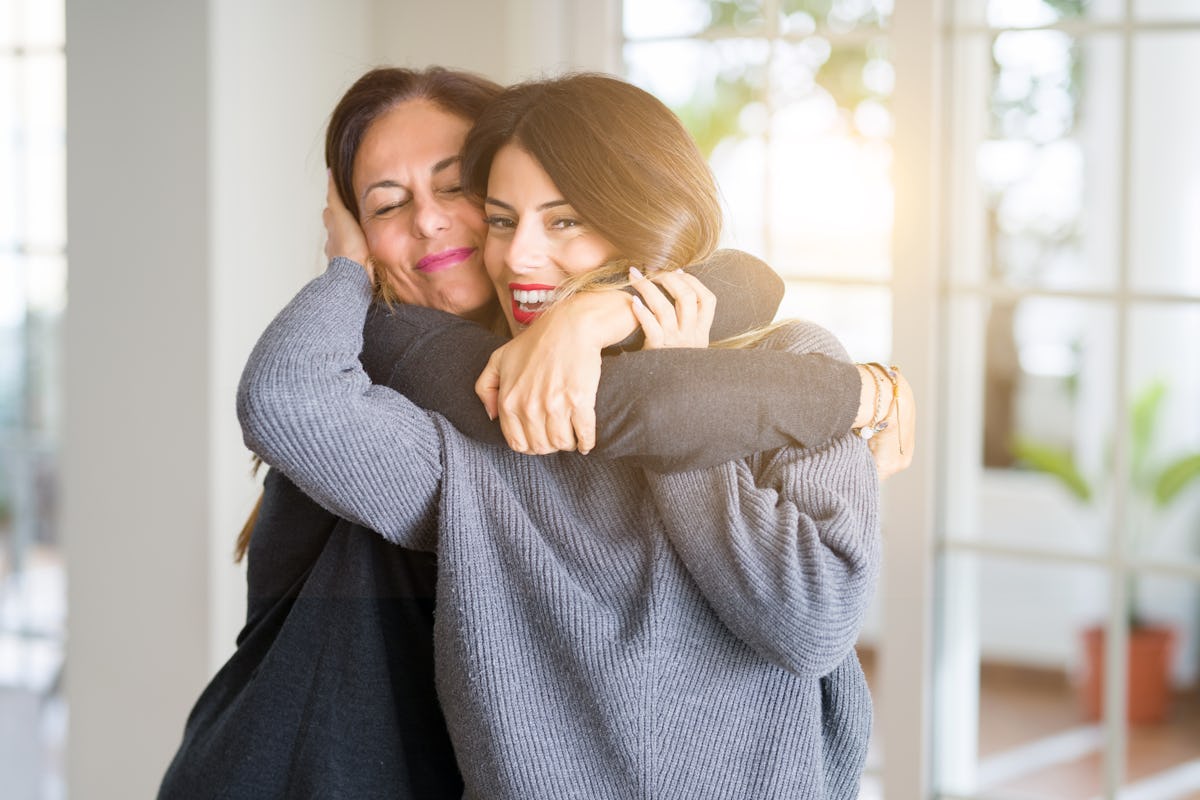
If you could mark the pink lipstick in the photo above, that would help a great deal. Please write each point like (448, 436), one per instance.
(436, 262)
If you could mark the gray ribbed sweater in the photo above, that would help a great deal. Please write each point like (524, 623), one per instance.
(602, 632)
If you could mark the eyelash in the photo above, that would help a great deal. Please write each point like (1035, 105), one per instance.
(507, 223)
(448, 190)
(379, 212)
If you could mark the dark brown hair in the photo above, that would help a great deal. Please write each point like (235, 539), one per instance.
(378, 91)
(619, 156)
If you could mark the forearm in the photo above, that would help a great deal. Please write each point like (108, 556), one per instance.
(678, 409)
(787, 553)
(307, 407)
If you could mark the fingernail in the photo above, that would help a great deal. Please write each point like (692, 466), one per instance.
(637, 301)
(635, 274)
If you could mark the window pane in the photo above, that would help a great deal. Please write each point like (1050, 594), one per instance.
(829, 185)
(44, 137)
(838, 16)
(690, 17)
(716, 88)
(668, 18)
(1040, 207)
(10, 133)
(1029, 421)
(1164, 707)
(860, 317)
(1031, 13)
(8, 22)
(1165, 201)
(1181, 10)
(12, 337)
(1164, 430)
(42, 23)
(1010, 719)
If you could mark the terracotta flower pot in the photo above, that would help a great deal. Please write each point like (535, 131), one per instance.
(1150, 649)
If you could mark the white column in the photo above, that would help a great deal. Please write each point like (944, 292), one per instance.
(910, 515)
(195, 182)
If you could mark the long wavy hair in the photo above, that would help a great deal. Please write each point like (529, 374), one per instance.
(620, 157)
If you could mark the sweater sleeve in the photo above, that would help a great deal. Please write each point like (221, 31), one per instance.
(307, 407)
(737, 402)
(785, 545)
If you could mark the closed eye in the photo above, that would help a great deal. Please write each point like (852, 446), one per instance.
(384, 210)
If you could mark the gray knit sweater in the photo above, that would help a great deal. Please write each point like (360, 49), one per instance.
(602, 632)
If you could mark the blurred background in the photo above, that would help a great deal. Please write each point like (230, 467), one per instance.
(1002, 196)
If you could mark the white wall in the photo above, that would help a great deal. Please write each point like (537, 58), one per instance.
(195, 183)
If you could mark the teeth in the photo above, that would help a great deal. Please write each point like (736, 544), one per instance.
(532, 296)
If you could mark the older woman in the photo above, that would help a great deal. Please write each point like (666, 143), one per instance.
(600, 629)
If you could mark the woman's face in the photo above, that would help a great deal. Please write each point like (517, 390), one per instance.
(535, 239)
(423, 233)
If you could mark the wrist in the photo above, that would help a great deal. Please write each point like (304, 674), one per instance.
(602, 317)
(867, 399)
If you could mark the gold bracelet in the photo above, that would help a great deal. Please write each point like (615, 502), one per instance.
(878, 416)
(893, 374)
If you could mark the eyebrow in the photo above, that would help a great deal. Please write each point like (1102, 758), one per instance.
(491, 201)
(391, 184)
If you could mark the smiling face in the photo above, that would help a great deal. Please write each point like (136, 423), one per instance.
(535, 239)
(422, 231)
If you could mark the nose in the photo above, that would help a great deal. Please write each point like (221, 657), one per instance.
(430, 217)
(527, 250)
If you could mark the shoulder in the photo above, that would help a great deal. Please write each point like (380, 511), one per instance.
(802, 336)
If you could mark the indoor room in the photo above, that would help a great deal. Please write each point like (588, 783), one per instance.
(999, 197)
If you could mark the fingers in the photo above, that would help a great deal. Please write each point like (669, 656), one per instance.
(333, 198)
(487, 386)
(343, 235)
(651, 330)
(584, 422)
(534, 428)
(666, 323)
(684, 321)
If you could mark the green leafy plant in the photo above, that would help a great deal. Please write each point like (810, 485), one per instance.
(1157, 483)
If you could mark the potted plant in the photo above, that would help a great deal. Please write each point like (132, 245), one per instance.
(1157, 483)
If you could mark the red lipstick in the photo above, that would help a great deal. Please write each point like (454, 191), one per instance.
(529, 300)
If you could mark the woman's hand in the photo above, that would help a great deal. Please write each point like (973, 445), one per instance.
(684, 323)
(543, 383)
(343, 235)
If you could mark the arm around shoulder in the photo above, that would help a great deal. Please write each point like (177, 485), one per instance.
(307, 407)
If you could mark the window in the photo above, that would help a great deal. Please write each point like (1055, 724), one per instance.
(1065, 280)
(790, 102)
(1071, 497)
(32, 298)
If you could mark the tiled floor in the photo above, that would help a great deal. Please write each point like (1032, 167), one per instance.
(1034, 742)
